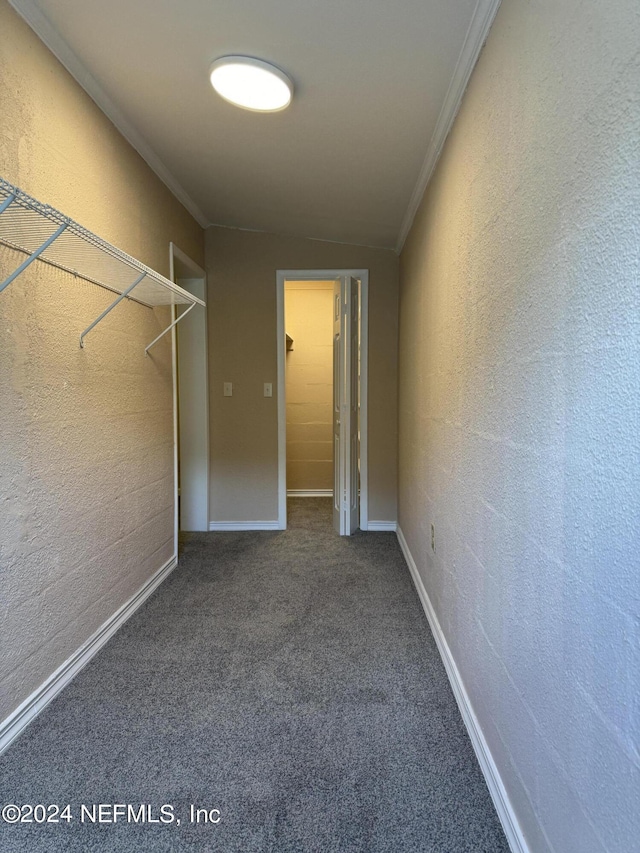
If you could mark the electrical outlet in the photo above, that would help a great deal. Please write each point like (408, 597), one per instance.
(433, 538)
(228, 389)
(268, 389)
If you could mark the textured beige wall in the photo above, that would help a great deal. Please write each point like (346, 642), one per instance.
(241, 274)
(86, 476)
(519, 412)
(309, 381)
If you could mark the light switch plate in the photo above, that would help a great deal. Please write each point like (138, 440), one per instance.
(228, 389)
(268, 389)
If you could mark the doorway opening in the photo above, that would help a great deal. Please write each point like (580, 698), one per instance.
(322, 391)
(308, 309)
(191, 401)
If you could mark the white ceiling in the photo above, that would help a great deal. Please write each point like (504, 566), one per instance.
(377, 84)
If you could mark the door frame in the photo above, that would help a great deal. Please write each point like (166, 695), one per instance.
(322, 275)
(196, 272)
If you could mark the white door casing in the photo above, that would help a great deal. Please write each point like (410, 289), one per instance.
(192, 400)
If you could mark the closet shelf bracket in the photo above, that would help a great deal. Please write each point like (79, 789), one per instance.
(168, 329)
(34, 255)
(110, 308)
(8, 200)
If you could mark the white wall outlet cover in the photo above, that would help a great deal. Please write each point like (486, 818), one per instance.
(268, 389)
(228, 389)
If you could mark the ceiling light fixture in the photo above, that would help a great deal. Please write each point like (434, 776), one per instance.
(251, 83)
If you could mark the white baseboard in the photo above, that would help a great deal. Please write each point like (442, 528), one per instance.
(243, 525)
(499, 795)
(57, 681)
(380, 526)
(309, 493)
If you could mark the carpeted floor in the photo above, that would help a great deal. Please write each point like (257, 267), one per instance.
(287, 679)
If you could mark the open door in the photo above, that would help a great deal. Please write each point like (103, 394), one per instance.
(338, 480)
(352, 355)
(346, 352)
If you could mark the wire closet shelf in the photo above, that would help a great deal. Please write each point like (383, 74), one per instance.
(42, 232)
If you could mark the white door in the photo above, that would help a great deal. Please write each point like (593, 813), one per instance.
(346, 350)
(338, 480)
(352, 353)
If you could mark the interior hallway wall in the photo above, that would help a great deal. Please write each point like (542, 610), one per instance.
(309, 385)
(86, 468)
(241, 275)
(519, 412)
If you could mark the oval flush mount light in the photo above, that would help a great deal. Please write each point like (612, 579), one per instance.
(251, 83)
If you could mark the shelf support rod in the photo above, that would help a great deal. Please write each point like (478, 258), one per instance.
(5, 204)
(168, 329)
(34, 255)
(110, 308)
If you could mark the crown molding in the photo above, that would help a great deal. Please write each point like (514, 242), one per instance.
(483, 17)
(477, 33)
(46, 32)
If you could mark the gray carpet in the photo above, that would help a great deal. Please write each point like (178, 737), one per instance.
(287, 679)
